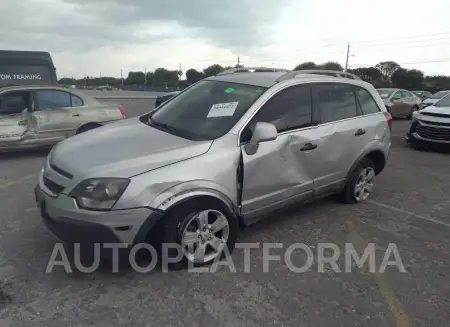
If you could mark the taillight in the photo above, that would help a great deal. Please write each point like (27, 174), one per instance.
(388, 117)
(122, 111)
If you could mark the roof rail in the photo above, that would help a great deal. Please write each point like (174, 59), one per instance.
(334, 73)
(252, 70)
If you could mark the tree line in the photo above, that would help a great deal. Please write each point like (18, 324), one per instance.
(383, 74)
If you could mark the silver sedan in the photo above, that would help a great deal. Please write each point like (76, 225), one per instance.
(40, 116)
(400, 103)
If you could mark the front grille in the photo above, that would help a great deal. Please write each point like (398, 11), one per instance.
(435, 123)
(432, 114)
(433, 133)
(52, 186)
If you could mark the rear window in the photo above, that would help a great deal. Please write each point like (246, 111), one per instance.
(25, 75)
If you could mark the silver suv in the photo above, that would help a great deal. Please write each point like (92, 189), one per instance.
(220, 155)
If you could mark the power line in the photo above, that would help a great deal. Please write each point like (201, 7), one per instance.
(401, 38)
(403, 47)
(400, 43)
(407, 63)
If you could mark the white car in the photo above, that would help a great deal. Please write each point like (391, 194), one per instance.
(434, 98)
(431, 125)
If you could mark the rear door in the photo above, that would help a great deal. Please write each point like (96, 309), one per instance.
(410, 99)
(398, 108)
(341, 132)
(14, 116)
(53, 114)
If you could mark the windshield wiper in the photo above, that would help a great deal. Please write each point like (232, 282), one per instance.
(167, 127)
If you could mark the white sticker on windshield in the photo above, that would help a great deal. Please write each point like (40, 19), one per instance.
(223, 109)
(384, 95)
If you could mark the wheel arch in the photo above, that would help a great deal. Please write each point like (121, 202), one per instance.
(196, 194)
(84, 124)
(376, 156)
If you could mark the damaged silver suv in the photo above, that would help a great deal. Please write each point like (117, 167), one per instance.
(220, 155)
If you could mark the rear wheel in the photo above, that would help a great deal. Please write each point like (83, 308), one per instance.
(360, 184)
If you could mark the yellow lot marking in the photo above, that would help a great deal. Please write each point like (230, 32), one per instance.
(16, 181)
(395, 306)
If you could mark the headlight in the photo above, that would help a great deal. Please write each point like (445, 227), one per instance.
(99, 193)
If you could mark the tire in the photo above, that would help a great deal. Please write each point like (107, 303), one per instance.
(414, 108)
(185, 220)
(87, 127)
(365, 170)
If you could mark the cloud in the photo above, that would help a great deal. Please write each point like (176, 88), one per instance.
(232, 24)
(107, 36)
(80, 25)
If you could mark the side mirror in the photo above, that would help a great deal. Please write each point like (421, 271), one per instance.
(263, 132)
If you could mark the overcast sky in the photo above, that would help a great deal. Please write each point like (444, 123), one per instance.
(96, 37)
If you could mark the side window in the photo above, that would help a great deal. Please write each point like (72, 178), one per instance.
(367, 103)
(406, 94)
(335, 102)
(76, 101)
(397, 95)
(289, 109)
(12, 103)
(52, 99)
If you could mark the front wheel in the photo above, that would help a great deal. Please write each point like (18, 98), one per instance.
(360, 184)
(203, 229)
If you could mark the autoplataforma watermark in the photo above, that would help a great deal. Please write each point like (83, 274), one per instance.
(322, 257)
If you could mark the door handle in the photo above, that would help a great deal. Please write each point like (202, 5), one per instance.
(360, 132)
(76, 115)
(308, 146)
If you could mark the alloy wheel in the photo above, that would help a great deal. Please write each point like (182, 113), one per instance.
(364, 184)
(205, 236)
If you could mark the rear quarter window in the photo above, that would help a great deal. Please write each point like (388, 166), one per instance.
(366, 101)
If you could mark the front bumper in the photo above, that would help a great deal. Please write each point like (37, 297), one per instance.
(429, 132)
(71, 224)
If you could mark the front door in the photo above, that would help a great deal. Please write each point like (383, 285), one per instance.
(342, 133)
(53, 115)
(14, 117)
(279, 172)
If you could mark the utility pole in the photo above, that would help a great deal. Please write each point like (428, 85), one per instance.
(239, 62)
(121, 76)
(348, 55)
(145, 76)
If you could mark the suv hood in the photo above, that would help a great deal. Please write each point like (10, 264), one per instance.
(436, 110)
(432, 101)
(122, 149)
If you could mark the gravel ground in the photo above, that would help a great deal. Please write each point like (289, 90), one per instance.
(409, 207)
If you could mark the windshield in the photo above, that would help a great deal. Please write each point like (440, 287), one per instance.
(439, 94)
(385, 93)
(444, 102)
(207, 110)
